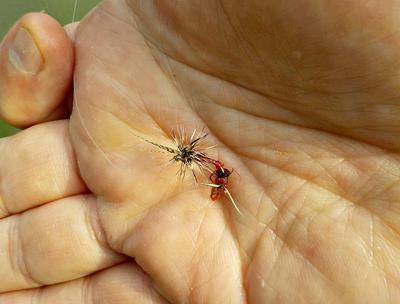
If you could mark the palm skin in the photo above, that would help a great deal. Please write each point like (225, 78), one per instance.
(301, 99)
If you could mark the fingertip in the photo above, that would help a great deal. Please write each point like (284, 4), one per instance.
(36, 65)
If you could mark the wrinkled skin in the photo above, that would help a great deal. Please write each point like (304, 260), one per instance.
(320, 210)
(301, 98)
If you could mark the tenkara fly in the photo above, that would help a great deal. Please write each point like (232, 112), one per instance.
(190, 153)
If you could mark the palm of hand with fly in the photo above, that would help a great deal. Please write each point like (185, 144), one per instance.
(300, 101)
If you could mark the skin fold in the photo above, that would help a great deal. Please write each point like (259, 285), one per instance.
(300, 98)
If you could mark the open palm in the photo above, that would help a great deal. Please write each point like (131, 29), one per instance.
(301, 100)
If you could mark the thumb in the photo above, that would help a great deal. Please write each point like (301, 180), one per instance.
(36, 65)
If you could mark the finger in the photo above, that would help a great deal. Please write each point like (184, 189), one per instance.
(125, 283)
(37, 166)
(36, 62)
(56, 242)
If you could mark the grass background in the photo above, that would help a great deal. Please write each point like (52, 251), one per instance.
(62, 10)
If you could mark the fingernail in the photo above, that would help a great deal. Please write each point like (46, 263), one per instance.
(24, 54)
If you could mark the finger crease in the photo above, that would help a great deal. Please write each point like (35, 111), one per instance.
(37, 296)
(87, 292)
(16, 253)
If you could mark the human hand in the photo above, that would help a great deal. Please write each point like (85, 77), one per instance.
(49, 230)
(302, 104)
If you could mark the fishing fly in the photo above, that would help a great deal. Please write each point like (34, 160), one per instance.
(190, 153)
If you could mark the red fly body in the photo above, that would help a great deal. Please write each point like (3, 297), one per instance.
(219, 182)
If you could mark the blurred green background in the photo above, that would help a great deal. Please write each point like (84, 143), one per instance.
(62, 10)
